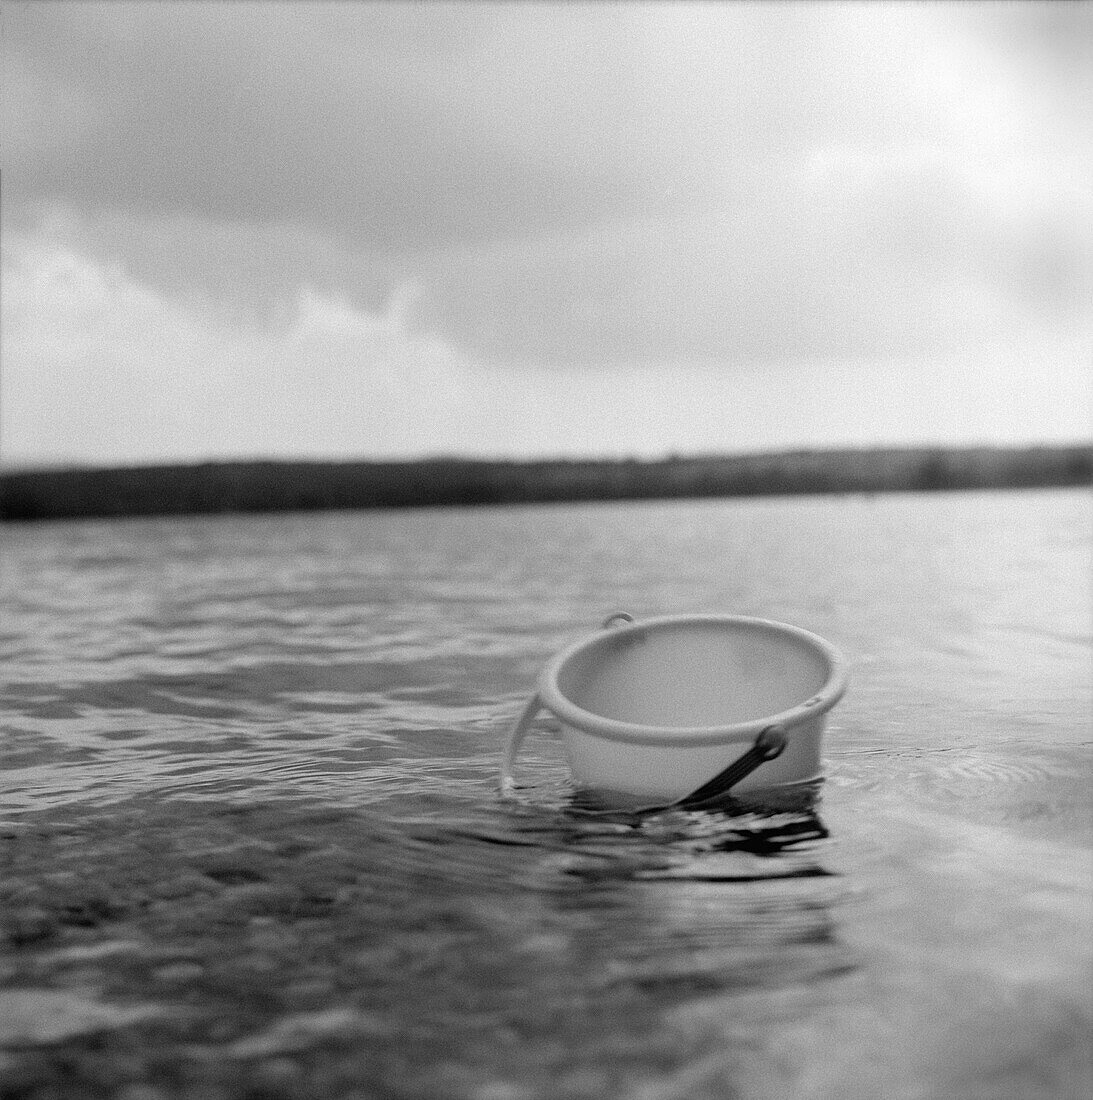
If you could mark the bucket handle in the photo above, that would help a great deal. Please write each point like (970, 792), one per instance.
(516, 739)
(770, 743)
(531, 710)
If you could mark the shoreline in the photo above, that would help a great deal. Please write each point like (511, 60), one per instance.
(268, 486)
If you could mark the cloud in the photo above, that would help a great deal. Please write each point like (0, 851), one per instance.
(409, 126)
(101, 368)
(386, 125)
(254, 226)
(856, 253)
(99, 364)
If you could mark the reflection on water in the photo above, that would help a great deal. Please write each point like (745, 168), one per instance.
(326, 696)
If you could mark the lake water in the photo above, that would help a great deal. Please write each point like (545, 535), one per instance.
(924, 930)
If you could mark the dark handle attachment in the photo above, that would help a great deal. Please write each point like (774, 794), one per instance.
(769, 744)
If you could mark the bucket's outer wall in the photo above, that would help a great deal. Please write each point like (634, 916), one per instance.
(643, 707)
(622, 772)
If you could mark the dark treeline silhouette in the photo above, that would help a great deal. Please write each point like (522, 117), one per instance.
(288, 486)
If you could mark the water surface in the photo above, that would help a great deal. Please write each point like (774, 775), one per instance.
(922, 930)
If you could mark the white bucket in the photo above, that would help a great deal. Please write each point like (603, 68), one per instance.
(653, 710)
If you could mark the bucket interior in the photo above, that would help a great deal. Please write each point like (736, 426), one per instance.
(693, 674)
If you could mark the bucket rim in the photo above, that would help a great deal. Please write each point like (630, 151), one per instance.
(613, 729)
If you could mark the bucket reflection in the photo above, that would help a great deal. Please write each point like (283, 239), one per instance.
(678, 906)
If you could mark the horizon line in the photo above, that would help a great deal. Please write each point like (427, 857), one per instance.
(18, 466)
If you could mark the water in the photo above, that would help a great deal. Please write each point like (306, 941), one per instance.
(924, 930)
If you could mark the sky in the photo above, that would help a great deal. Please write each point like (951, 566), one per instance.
(392, 230)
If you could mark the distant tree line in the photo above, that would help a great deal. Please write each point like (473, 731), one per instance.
(290, 486)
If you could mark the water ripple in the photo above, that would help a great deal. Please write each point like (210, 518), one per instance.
(319, 702)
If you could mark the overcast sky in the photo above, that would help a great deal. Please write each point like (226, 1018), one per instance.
(395, 229)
